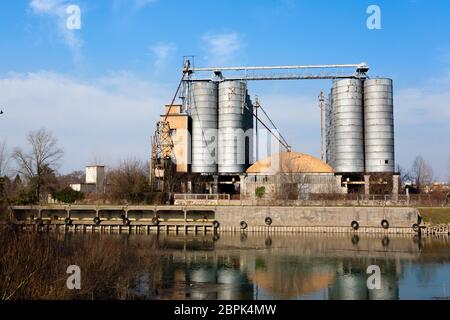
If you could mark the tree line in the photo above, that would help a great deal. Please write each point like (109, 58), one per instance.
(28, 176)
(35, 176)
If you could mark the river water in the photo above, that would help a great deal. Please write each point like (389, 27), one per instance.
(309, 266)
(291, 266)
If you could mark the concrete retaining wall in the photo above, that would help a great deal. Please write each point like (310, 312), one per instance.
(334, 219)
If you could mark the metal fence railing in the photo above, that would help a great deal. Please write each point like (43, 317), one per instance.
(216, 197)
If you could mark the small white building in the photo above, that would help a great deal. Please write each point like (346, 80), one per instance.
(95, 180)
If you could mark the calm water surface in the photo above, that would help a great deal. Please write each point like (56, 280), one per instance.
(308, 266)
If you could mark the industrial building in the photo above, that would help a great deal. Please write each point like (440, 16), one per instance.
(207, 143)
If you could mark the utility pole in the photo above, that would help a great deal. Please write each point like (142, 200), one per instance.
(321, 124)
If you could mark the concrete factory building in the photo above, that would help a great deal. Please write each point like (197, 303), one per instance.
(290, 175)
(209, 139)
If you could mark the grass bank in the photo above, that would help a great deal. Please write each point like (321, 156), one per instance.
(435, 215)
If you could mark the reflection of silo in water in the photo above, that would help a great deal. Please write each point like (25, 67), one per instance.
(389, 289)
(349, 287)
(203, 275)
(233, 285)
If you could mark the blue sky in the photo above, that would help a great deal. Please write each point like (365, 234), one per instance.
(100, 89)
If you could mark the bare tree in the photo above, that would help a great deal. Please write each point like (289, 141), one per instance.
(128, 182)
(43, 158)
(4, 158)
(421, 173)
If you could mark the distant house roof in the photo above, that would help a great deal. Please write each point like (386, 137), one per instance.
(290, 162)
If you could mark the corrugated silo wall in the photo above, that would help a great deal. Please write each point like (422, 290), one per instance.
(348, 125)
(204, 126)
(329, 130)
(249, 134)
(379, 125)
(232, 122)
(353, 105)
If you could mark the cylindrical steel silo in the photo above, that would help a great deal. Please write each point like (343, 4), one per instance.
(204, 126)
(348, 126)
(379, 125)
(231, 144)
(329, 125)
(249, 134)
(327, 131)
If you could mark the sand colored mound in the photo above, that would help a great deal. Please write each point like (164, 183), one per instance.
(290, 162)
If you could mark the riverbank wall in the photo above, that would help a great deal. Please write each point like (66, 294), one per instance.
(225, 218)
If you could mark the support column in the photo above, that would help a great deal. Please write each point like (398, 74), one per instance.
(242, 186)
(189, 186)
(366, 184)
(338, 181)
(395, 186)
(215, 187)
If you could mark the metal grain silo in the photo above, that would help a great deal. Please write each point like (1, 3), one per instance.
(348, 126)
(379, 125)
(249, 134)
(204, 126)
(231, 144)
(329, 127)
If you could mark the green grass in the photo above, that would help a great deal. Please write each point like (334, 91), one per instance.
(435, 215)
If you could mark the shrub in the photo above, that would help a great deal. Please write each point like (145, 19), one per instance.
(260, 192)
(67, 195)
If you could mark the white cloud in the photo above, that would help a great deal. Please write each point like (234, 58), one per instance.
(415, 106)
(113, 116)
(163, 52)
(57, 10)
(222, 48)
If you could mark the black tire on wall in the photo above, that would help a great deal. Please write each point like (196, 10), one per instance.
(97, 221)
(268, 221)
(355, 225)
(155, 221)
(243, 225)
(385, 224)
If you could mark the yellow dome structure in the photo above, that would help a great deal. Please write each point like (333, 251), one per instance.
(290, 162)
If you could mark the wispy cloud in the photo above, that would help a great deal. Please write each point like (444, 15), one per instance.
(112, 115)
(222, 48)
(162, 52)
(57, 10)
